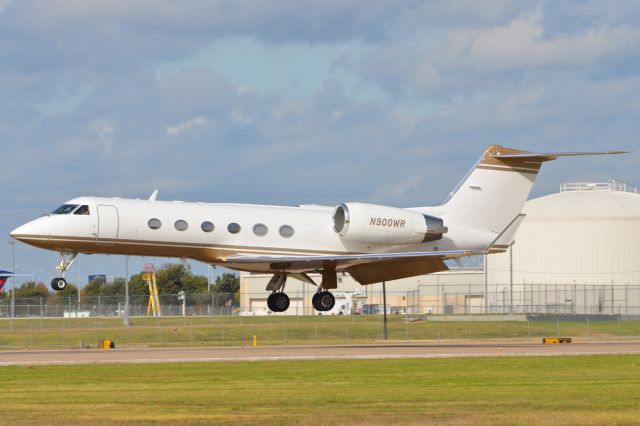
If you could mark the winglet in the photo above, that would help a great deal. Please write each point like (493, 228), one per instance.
(153, 195)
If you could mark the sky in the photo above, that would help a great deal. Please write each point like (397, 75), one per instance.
(293, 102)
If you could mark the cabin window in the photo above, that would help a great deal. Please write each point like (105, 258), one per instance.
(286, 231)
(82, 210)
(233, 228)
(65, 209)
(154, 223)
(207, 226)
(181, 225)
(260, 229)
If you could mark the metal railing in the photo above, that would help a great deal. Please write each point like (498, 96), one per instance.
(612, 185)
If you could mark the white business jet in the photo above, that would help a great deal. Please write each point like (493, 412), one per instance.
(373, 243)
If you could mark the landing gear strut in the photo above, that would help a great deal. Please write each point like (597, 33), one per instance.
(65, 263)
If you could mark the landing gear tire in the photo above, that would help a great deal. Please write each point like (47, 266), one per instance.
(278, 302)
(323, 301)
(281, 302)
(270, 301)
(58, 284)
(315, 303)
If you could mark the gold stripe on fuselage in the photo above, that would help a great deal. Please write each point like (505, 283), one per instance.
(211, 253)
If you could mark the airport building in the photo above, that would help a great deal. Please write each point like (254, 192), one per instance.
(433, 293)
(576, 252)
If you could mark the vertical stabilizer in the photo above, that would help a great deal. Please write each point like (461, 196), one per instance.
(494, 192)
(4, 276)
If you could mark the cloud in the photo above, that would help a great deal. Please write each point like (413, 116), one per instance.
(523, 44)
(463, 60)
(4, 4)
(187, 125)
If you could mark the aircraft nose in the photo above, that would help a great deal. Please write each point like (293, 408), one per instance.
(22, 231)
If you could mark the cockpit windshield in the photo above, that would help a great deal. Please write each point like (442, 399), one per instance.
(82, 210)
(65, 209)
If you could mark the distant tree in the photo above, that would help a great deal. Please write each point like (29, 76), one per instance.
(170, 278)
(226, 289)
(69, 293)
(32, 289)
(94, 288)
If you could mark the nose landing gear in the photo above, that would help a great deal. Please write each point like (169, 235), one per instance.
(65, 263)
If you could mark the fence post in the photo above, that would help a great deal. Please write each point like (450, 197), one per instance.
(284, 324)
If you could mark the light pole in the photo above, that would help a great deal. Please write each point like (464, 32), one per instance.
(384, 307)
(13, 280)
(511, 278)
(126, 292)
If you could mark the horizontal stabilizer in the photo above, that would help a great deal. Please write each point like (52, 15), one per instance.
(548, 156)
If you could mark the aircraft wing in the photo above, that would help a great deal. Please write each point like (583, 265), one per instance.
(367, 268)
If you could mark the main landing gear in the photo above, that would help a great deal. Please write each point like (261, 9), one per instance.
(60, 283)
(278, 301)
(323, 300)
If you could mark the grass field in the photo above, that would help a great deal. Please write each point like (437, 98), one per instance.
(504, 390)
(234, 331)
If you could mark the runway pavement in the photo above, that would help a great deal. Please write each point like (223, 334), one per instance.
(281, 353)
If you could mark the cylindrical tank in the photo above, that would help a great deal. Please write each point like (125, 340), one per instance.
(586, 234)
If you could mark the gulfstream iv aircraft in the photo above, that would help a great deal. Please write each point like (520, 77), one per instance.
(373, 243)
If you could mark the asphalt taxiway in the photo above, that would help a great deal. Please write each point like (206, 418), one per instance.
(281, 353)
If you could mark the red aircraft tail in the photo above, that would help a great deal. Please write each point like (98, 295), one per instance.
(4, 276)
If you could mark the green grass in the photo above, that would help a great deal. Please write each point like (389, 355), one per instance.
(504, 390)
(238, 331)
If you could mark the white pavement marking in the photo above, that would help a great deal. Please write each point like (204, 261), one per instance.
(310, 358)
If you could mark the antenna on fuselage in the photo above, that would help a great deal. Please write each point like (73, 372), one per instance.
(153, 195)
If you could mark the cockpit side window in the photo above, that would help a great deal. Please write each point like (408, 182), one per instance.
(82, 210)
(65, 209)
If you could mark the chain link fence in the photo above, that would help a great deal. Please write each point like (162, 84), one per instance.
(541, 299)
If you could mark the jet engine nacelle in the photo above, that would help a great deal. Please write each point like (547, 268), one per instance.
(374, 224)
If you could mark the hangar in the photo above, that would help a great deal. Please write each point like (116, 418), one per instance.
(576, 252)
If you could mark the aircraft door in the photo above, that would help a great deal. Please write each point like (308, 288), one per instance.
(108, 224)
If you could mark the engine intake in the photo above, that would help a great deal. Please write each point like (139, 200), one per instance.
(375, 224)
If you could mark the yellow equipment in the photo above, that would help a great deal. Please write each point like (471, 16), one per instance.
(106, 344)
(154, 300)
(556, 340)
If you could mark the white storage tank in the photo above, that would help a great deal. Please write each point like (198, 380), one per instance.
(588, 233)
(576, 252)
